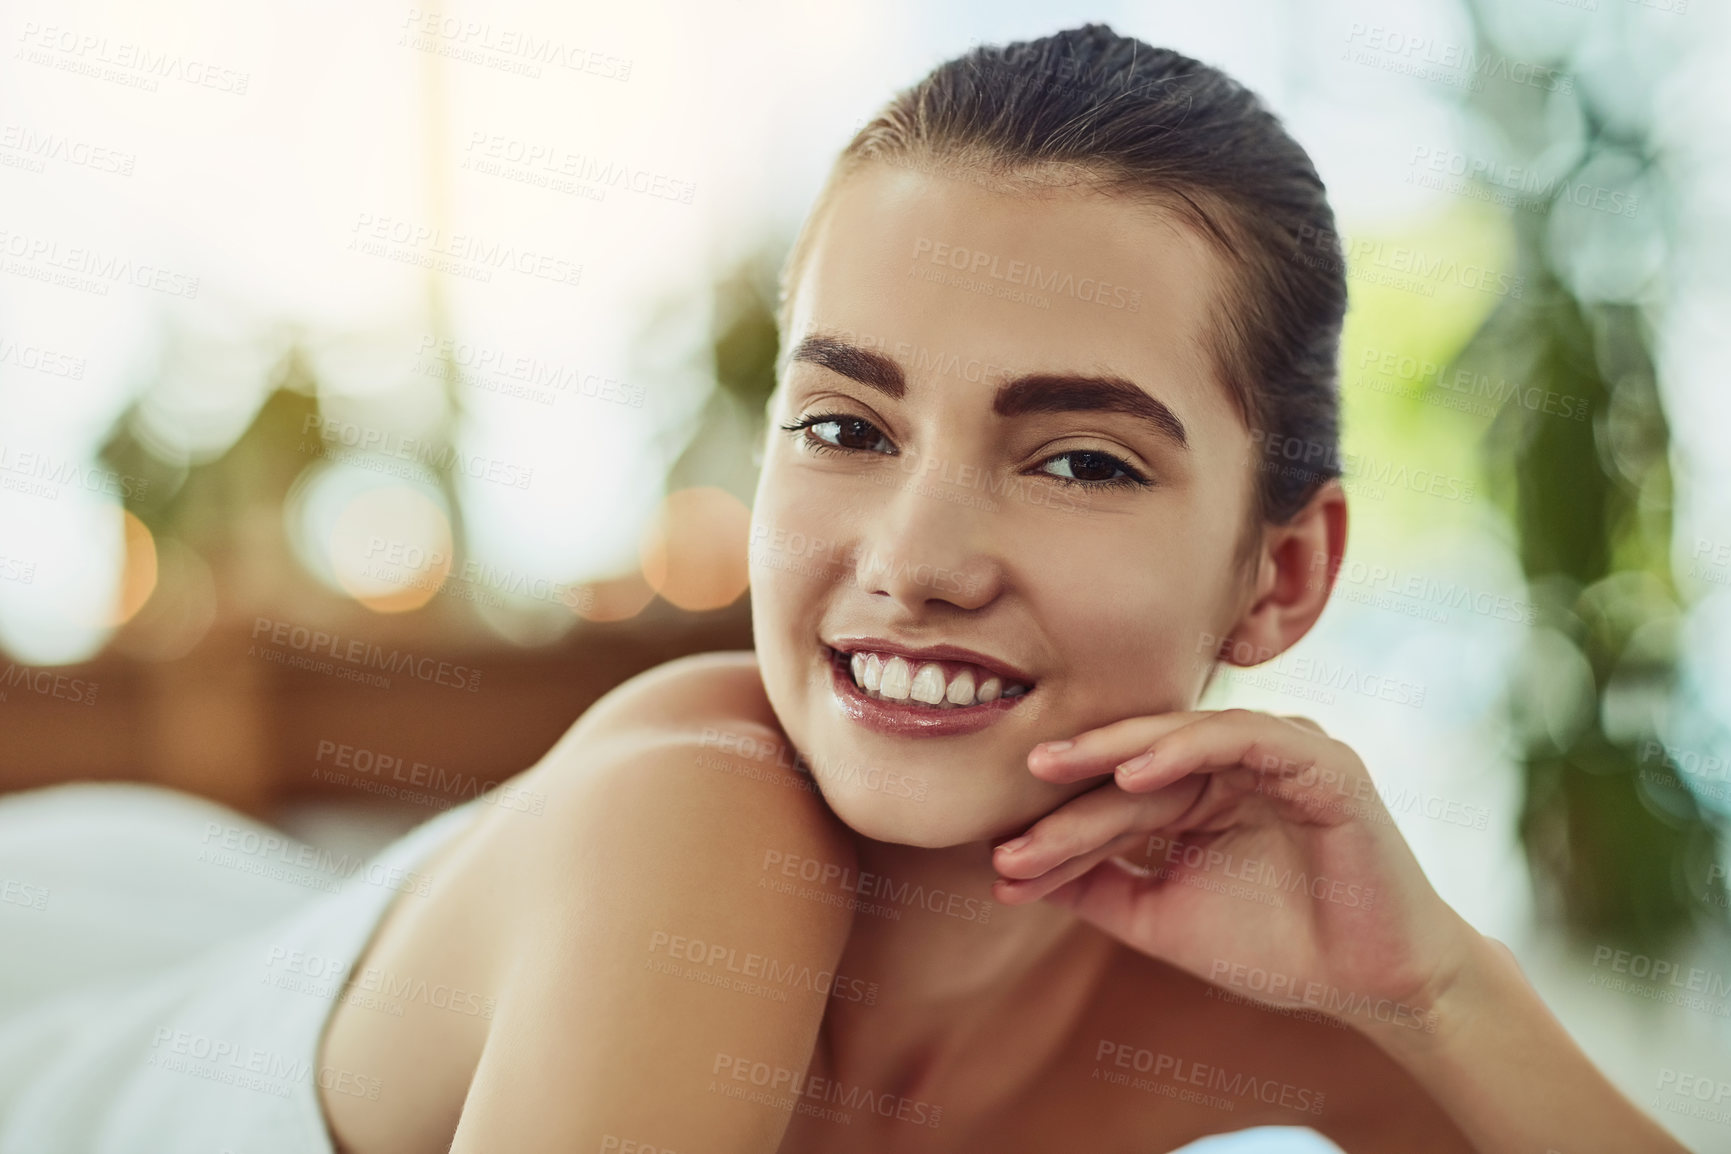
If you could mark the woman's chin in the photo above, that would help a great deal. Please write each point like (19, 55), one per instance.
(925, 823)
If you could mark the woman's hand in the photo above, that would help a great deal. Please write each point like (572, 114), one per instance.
(1252, 851)
(1266, 863)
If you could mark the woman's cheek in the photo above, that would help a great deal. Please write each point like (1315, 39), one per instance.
(1138, 657)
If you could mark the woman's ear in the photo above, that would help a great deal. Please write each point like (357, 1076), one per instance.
(1295, 570)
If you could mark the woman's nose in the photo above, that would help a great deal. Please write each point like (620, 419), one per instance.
(928, 543)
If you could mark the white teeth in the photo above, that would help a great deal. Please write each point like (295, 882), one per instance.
(897, 680)
(961, 690)
(928, 684)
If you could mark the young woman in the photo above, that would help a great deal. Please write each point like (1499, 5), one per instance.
(950, 861)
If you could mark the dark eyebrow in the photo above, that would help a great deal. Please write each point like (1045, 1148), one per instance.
(1066, 393)
(1016, 397)
(854, 363)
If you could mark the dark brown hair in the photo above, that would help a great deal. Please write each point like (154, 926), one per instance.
(1087, 106)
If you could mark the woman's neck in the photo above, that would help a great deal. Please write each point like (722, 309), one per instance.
(972, 997)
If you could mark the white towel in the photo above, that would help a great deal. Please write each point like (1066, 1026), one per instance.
(1263, 1140)
(147, 1003)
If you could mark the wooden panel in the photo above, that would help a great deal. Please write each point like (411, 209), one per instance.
(232, 723)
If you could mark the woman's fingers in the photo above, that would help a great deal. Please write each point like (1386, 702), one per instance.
(1164, 766)
(1103, 750)
(1106, 895)
(1020, 890)
(1310, 774)
(1088, 829)
(1304, 721)
(1261, 742)
(1287, 758)
(1099, 751)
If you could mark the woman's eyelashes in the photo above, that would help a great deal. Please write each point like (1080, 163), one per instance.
(1095, 462)
(832, 432)
(845, 426)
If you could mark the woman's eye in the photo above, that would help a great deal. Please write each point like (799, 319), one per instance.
(1094, 468)
(838, 431)
(849, 433)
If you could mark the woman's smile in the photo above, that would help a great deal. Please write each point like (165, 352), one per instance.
(915, 696)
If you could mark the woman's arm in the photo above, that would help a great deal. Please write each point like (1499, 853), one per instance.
(594, 1044)
(1277, 808)
(1509, 1074)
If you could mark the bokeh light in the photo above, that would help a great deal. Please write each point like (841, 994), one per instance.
(694, 553)
(391, 547)
(138, 578)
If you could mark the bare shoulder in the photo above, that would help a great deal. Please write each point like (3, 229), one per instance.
(657, 824)
(692, 735)
(657, 833)
(688, 694)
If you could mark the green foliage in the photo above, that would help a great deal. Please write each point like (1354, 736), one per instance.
(1609, 833)
(202, 504)
(745, 339)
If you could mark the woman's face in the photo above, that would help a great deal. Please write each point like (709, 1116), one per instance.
(1019, 450)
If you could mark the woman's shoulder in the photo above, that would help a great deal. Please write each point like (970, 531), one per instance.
(650, 834)
(691, 694)
(693, 735)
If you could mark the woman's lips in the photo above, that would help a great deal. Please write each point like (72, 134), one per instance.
(943, 684)
(911, 719)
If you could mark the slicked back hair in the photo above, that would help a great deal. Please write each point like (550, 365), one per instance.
(1089, 107)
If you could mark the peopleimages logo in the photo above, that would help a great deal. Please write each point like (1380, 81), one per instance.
(788, 1089)
(1289, 989)
(30, 149)
(18, 893)
(1455, 63)
(877, 886)
(1313, 459)
(507, 49)
(47, 683)
(1513, 185)
(87, 269)
(976, 263)
(761, 968)
(1705, 990)
(461, 254)
(1233, 1087)
(41, 360)
(40, 474)
(133, 65)
(358, 655)
(337, 435)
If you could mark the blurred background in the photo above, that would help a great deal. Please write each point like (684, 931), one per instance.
(378, 386)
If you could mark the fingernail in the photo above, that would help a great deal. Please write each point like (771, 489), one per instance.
(1137, 764)
(1055, 746)
(1015, 844)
